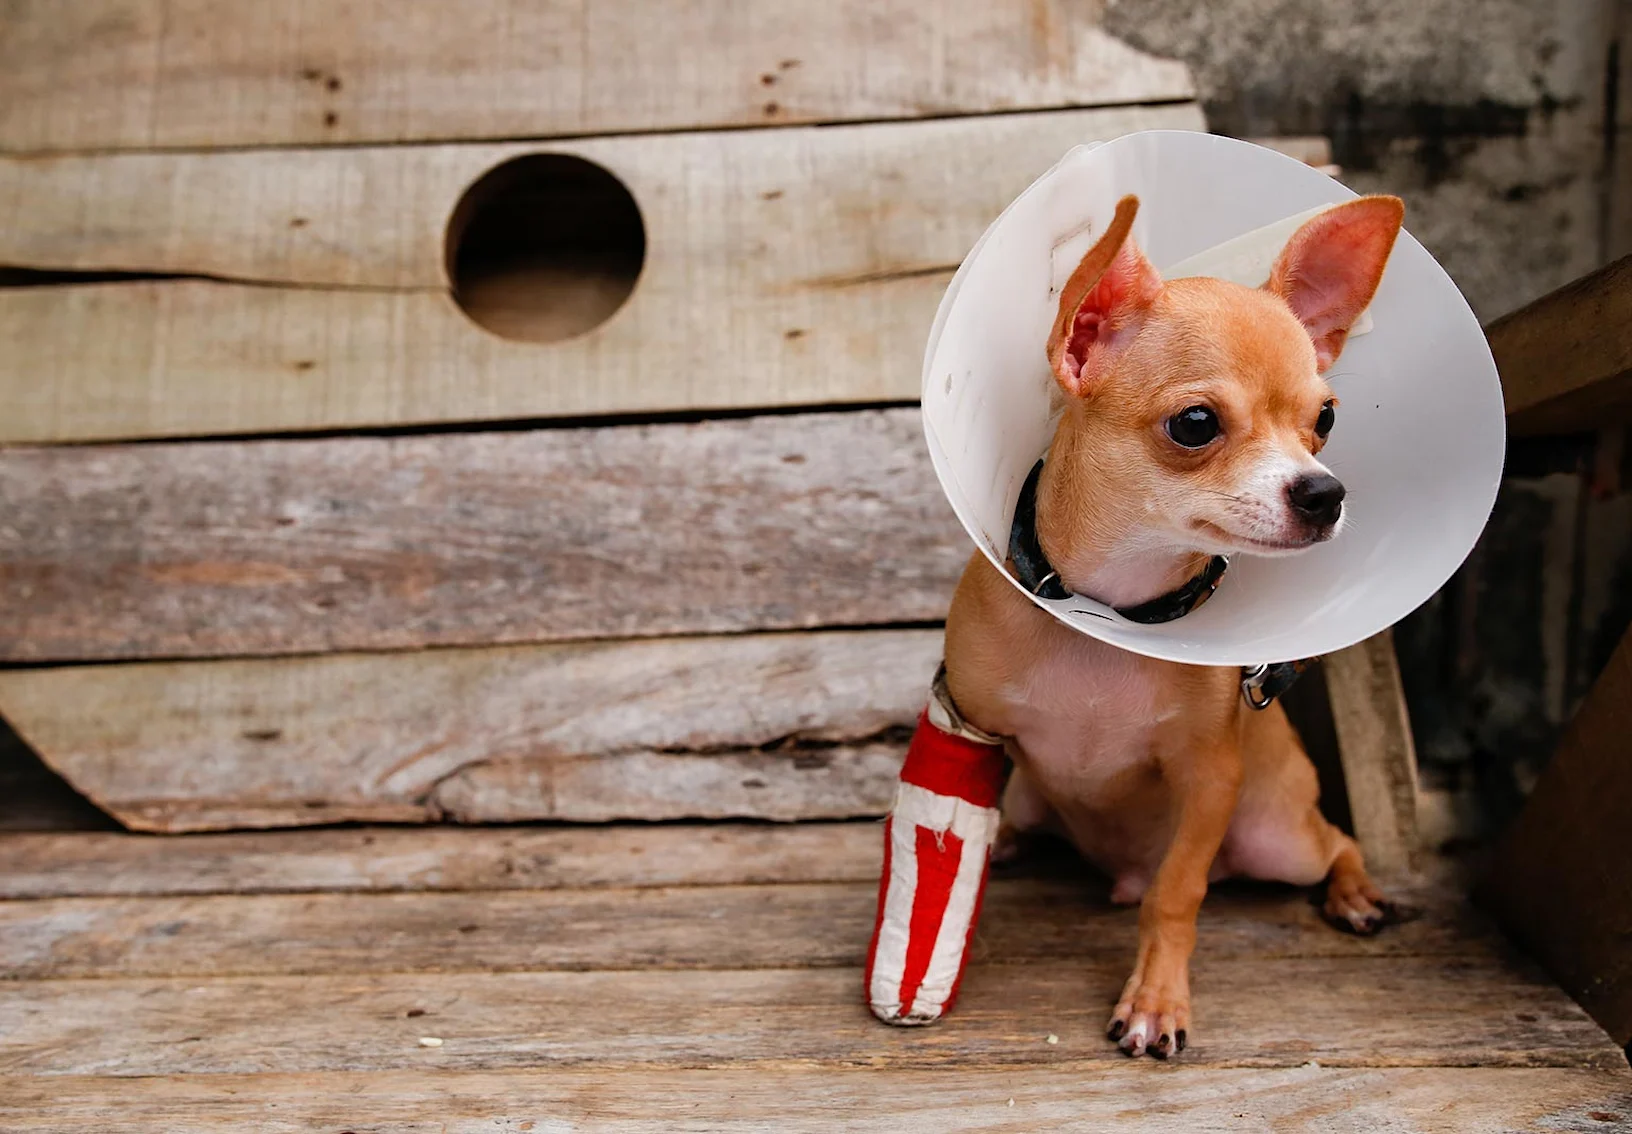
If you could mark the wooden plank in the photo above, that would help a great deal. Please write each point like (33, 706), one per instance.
(1559, 881)
(818, 1100)
(1341, 1012)
(277, 547)
(764, 284)
(139, 73)
(374, 859)
(1566, 359)
(759, 726)
(375, 217)
(670, 928)
(1378, 754)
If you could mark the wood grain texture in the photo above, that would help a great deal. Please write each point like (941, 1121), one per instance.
(762, 726)
(141, 73)
(1378, 753)
(818, 1100)
(1566, 359)
(377, 217)
(1558, 881)
(734, 1007)
(1462, 1014)
(277, 547)
(374, 859)
(789, 267)
(810, 925)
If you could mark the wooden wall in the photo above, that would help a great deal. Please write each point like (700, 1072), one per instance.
(286, 538)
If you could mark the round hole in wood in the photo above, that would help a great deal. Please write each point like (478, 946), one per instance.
(544, 247)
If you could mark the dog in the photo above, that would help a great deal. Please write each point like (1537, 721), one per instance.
(1194, 413)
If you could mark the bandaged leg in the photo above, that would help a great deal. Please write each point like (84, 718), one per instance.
(937, 844)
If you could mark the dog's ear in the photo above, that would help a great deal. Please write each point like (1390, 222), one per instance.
(1330, 269)
(1101, 303)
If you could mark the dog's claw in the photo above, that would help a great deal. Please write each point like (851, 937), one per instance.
(1365, 918)
(1148, 1022)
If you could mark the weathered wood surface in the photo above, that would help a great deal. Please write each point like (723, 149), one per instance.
(376, 859)
(138, 73)
(764, 726)
(376, 217)
(758, 288)
(643, 1006)
(818, 924)
(819, 1100)
(277, 547)
(1559, 881)
(1566, 359)
(1378, 754)
(1249, 1013)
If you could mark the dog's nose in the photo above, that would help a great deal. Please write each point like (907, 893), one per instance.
(1318, 498)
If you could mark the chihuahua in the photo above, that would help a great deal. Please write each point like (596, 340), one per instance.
(1194, 412)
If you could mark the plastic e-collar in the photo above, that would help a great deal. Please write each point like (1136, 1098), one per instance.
(1419, 444)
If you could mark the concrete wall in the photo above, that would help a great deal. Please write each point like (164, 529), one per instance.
(1487, 116)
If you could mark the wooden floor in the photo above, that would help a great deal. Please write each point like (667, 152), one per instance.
(708, 978)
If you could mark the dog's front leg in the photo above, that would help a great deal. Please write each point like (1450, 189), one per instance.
(1153, 1013)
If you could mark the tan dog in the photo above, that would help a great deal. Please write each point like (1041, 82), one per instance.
(1195, 410)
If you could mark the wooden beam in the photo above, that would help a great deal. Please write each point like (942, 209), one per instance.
(1378, 754)
(1560, 880)
(392, 859)
(758, 288)
(277, 547)
(1463, 1013)
(1566, 359)
(786, 926)
(791, 726)
(377, 217)
(416, 1099)
(118, 74)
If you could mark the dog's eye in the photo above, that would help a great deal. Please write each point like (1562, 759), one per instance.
(1193, 427)
(1327, 418)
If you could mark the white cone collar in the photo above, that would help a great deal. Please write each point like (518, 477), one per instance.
(1418, 444)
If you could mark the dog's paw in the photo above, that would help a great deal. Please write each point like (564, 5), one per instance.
(1357, 906)
(1153, 1017)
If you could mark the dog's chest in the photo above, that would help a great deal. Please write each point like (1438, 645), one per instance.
(1086, 718)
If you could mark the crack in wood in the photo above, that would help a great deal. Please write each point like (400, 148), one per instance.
(879, 275)
(20, 276)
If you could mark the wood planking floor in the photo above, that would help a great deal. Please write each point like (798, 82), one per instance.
(707, 977)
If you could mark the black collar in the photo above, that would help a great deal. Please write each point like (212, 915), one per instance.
(1038, 576)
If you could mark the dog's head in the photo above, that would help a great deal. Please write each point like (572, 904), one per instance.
(1199, 407)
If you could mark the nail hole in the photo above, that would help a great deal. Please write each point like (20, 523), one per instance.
(545, 247)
